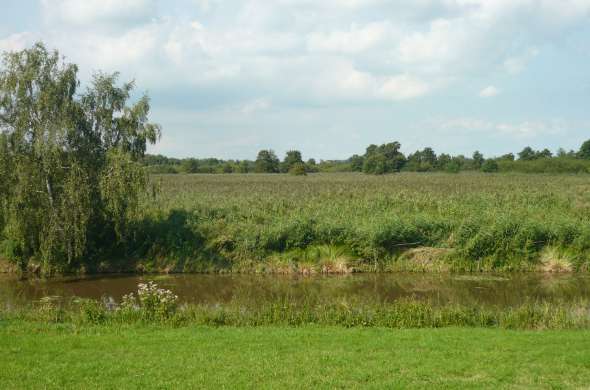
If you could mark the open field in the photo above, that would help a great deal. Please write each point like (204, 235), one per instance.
(345, 222)
(52, 356)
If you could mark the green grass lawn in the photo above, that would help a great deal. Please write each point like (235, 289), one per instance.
(41, 356)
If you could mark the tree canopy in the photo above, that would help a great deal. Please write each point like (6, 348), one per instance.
(292, 157)
(267, 162)
(69, 171)
(585, 150)
(382, 159)
(528, 154)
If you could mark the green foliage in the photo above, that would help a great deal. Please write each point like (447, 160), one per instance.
(585, 150)
(209, 222)
(453, 166)
(159, 306)
(267, 162)
(190, 165)
(528, 154)
(478, 159)
(298, 169)
(311, 166)
(423, 161)
(356, 163)
(382, 159)
(489, 166)
(150, 304)
(69, 160)
(386, 158)
(546, 165)
(291, 158)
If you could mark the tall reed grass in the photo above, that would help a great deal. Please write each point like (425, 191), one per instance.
(280, 223)
(346, 222)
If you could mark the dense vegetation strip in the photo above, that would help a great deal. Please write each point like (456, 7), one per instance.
(385, 158)
(154, 305)
(353, 222)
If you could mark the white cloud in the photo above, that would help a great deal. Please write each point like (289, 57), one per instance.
(260, 104)
(94, 12)
(354, 40)
(16, 41)
(489, 91)
(517, 64)
(526, 129)
(531, 129)
(360, 50)
(403, 87)
(304, 50)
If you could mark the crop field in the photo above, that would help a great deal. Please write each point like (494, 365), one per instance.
(353, 222)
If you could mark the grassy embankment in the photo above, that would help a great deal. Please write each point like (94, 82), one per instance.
(139, 356)
(346, 222)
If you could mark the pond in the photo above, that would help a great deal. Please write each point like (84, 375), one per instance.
(507, 289)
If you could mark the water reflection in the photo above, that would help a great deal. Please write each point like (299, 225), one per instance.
(483, 289)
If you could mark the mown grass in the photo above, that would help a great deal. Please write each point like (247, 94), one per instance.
(281, 223)
(146, 357)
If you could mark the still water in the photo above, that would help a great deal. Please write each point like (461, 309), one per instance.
(483, 289)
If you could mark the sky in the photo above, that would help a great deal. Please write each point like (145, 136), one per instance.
(228, 78)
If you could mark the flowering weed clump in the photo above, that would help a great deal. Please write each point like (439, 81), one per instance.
(150, 302)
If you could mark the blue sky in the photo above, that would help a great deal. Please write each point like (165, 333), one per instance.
(329, 77)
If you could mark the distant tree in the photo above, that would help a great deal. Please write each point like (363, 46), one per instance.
(190, 165)
(356, 163)
(561, 153)
(311, 166)
(527, 154)
(70, 172)
(453, 166)
(461, 160)
(385, 158)
(422, 160)
(507, 157)
(267, 162)
(584, 152)
(376, 164)
(429, 156)
(292, 157)
(243, 166)
(227, 167)
(298, 169)
(443, 160)
(489, 166)
(371, 149)
(545, 153)
(478, 159)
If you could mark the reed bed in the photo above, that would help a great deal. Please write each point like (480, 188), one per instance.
(353, 222)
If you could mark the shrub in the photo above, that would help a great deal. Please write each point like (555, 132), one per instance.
(489, 166)
(151, 302)
(298, 169)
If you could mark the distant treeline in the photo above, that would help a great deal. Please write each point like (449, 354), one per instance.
(381, 159)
